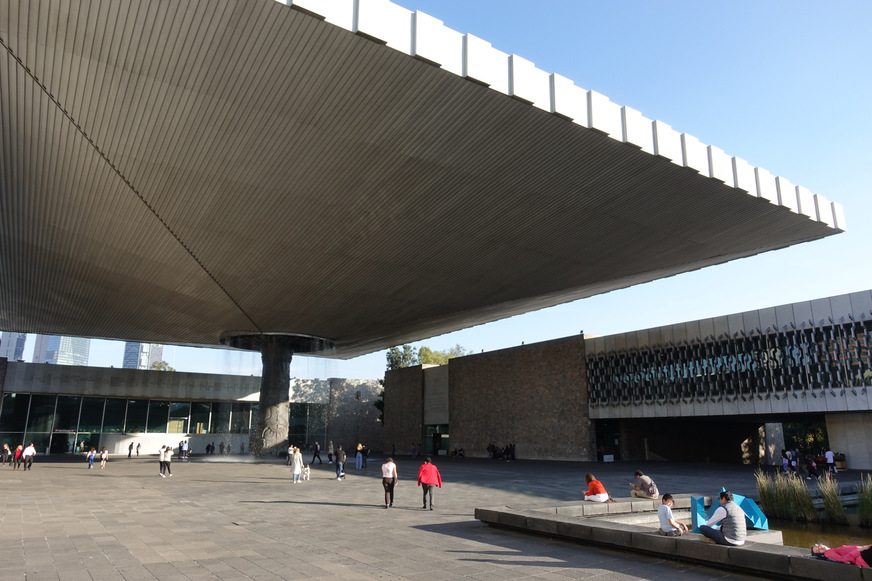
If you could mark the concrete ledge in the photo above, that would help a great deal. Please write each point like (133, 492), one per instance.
(773, 561)
(823, 570)
(765, 559)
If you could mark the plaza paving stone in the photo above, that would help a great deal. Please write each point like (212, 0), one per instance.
(228, 518)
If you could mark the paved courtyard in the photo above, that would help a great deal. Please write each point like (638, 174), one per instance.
(238, 520)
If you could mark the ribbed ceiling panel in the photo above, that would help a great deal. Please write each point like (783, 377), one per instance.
(245, 166)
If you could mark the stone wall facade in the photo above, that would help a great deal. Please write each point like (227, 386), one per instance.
(352, 415)
(404, 407)
(533, 396)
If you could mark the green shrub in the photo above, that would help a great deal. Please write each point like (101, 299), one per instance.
(834, 511)
(864, 500)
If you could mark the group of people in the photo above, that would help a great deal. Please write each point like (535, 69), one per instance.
(104, 457)
(725, 527)
(130, 450)
(506, 453)
(299, 471)
(429, 479)
(22, 456)
(794, 461)
(223, 449)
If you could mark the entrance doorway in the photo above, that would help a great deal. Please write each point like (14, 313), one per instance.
(61, 443)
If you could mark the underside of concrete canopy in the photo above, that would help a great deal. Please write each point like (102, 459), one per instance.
(183, 172)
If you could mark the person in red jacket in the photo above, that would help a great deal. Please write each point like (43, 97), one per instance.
(429, 478)
(596, 492)
(851, 554)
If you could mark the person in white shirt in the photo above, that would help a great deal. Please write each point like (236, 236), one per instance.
(389, 481)
(28, 455)
(831, 461)
(168, 458)
(731, 517)
(669, 527)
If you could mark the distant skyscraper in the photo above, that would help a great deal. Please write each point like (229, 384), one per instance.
(61, 350)
(12, 345)
(141, 355)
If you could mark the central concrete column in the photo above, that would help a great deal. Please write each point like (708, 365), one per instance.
(270, 435)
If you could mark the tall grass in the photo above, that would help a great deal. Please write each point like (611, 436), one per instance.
(785, 497)
(834, 511)
(801, 503)
(864, 500)
(766, 493)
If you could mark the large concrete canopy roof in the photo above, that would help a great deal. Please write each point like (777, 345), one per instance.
(172, 171)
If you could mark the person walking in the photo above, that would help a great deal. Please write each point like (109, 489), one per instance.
(317, 453)
(130, 451)
(6, 454)
(359, 458)
(831, 462)
(340, 462)
(330, 452)
(104, 456)
(16, 457)
(297, 465)
(168, 459)
(389, 481)
(160, 457)
(138, 446)
(428, 479)
(92, 453)
(28, 455)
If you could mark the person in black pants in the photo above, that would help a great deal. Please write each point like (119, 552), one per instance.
(317, 454)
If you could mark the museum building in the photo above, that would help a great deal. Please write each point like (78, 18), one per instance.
(732, 380)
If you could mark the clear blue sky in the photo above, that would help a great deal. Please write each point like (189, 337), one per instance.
(784, 85)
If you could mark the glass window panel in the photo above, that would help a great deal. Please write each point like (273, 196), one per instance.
(137, 411)
(220, 418)
(92, 414)
(158, 412)
(67, 413)
(85, 440)
(62, 443)
(179, 412)
(113, 420)
(42, 409)
(200, 417)
(11, 438)
(40, 440)
(240, 418)
(14, 412)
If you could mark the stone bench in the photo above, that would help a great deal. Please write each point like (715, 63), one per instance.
(579, 522)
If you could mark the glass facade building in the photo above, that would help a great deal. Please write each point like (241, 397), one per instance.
(61, 424)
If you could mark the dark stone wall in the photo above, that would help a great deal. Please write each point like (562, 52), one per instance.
(352, 417)
(404, 408)
(3, 363)
(534, 396)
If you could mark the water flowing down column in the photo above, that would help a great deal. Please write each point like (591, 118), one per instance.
(270, 433)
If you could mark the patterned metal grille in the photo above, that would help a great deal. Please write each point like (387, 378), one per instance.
(775, 363)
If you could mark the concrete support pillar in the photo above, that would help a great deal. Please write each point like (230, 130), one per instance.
(772, 443)
(851, 434)
(270, 435)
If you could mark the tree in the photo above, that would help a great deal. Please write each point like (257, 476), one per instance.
(379, 402)
(161, 366)
(399, 357)
(427, 356)
(407, 356)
